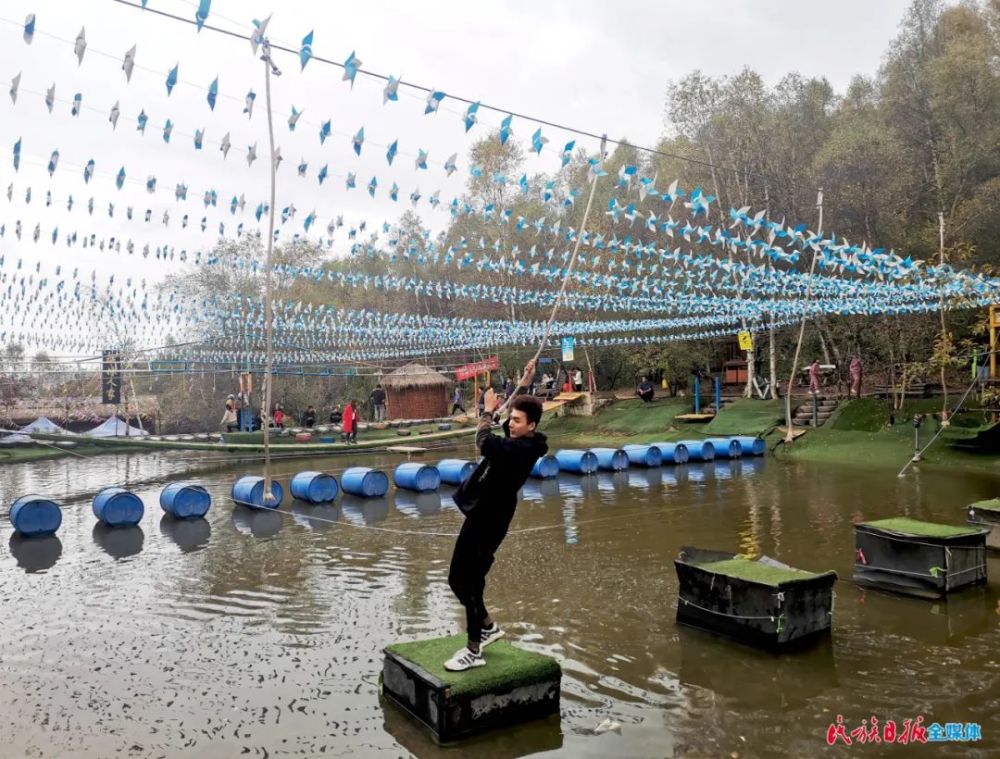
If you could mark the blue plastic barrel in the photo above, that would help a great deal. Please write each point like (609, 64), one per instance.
(118, 507)
(545, 468)
(673, 453)
(416, 476)
(365, 482)
(34, 516)
(249, 491)
(185, 499)
(700, 450)
(752, 446)
(614, 459)
(726, 447)
(643, 455)
(455, 471)
(314, 487)
(575, 461)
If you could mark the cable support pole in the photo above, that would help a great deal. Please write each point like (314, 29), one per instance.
(268, 315)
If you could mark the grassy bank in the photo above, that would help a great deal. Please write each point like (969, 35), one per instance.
(857, 434)
(21, 454)
(633, 421)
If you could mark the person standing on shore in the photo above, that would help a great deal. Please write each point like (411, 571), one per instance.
(855, 372)
(456, 400)
(378, 403)
(350, 423)
(814, 377)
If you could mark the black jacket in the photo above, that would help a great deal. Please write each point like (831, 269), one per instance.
(511, 460)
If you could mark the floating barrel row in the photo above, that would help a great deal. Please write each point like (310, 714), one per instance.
(36, 516)
(645, 455)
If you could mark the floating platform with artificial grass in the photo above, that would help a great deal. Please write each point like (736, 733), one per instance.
(515, 686)
(757, 571)
(923, 559)
(760, 602)
(986, 515)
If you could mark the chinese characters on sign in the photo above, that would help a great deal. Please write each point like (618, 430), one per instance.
(469, 371)
(910, 731)
(111, 377)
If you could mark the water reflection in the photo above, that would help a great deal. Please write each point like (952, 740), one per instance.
(311, 612)
(35, 554)
(418, 504)
(521, 740)
(540, 490)
(577, 485)
(748, 467)
(187, 534)
(674, 476)
(259, 523)
(646, 479)
(316, 517)
(612, 482)
(118, 542)
(364, 510)
(756, 678)
(948, 621)
(698, 473)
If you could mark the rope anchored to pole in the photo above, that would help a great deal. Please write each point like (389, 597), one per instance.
(269, 69)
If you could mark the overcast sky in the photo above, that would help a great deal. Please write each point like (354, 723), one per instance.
(599, 66)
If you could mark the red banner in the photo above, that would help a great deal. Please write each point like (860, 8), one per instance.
(469, 371)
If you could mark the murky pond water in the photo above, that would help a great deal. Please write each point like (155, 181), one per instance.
(261, 634)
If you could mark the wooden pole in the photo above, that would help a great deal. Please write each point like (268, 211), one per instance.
(268, 315)
(802, 327)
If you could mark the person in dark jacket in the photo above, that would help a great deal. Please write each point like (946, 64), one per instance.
(377, 398)
(511, 459)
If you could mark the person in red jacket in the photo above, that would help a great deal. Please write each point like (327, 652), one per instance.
(350, 422)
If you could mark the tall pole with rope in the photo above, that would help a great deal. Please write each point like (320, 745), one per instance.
(269, 68)
(802, 327)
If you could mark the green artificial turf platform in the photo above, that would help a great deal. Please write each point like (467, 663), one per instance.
(755, 571)
(514, 686)
(907, 526)
(993, 504)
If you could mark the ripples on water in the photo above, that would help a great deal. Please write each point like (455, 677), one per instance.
(260, 633)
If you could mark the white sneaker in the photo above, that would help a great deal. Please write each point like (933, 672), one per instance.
(464, 659)
(490, 634)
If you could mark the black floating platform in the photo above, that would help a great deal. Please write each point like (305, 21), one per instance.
(515, 686)
(762, 603)
(986, 514)
(922, 559)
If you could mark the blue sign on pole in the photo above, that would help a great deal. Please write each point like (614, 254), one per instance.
(568, 344)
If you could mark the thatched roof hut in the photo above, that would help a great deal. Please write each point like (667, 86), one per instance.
(414, 375)
(416, 391)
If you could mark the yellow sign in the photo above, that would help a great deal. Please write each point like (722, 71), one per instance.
(746, 341)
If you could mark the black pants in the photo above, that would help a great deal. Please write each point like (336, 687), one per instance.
(457, 407)
(478, 540)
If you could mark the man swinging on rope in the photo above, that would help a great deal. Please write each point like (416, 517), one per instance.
(507, 462)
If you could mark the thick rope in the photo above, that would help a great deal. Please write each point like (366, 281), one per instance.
(920, 454)
(566, 276)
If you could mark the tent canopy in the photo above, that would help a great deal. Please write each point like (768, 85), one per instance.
(43, 424)
(115, 427)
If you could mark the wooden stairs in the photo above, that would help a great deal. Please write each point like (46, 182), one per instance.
(804, 413)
